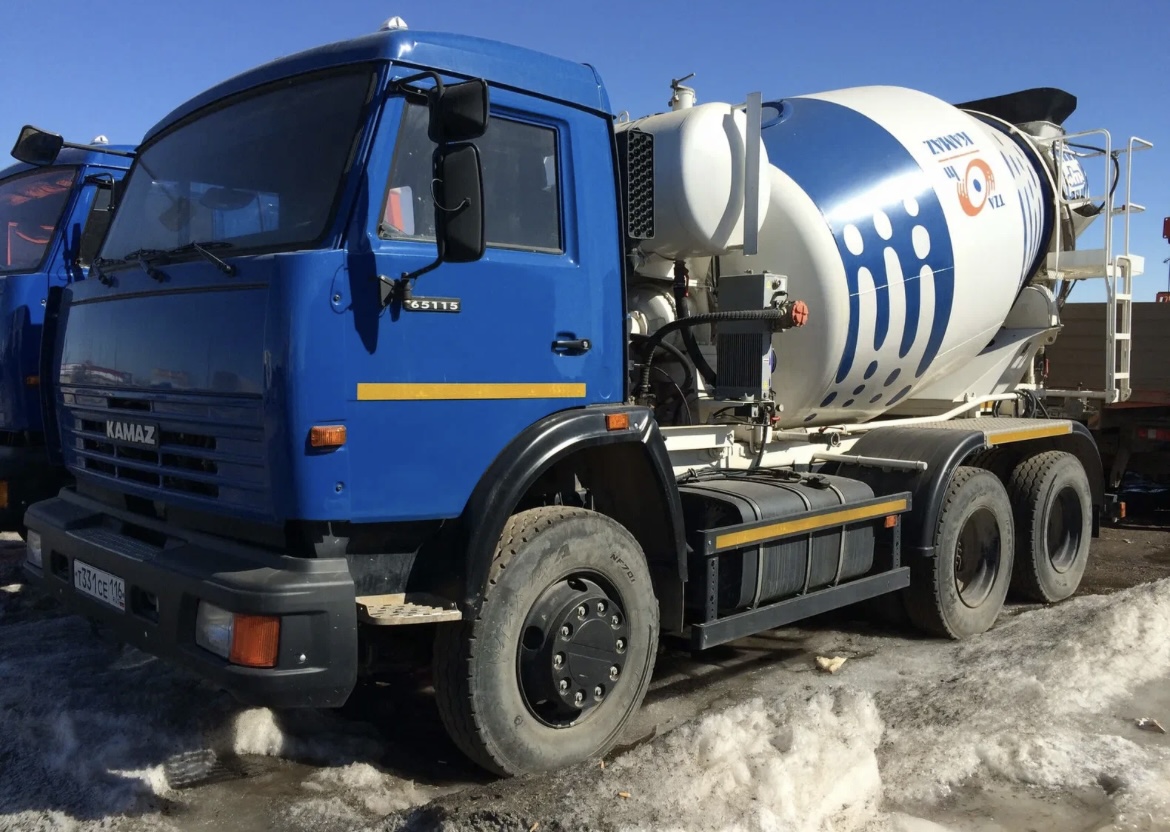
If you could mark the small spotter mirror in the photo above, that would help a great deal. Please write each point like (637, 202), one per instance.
(459, 113)
(37, 147)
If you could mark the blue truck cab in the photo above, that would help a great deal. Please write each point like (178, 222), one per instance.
(355, 388)
(53, 217)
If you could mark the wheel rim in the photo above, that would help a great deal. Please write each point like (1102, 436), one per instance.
(977, 557)
(1065, 525)
(573, 649)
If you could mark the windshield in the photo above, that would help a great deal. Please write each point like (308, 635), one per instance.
(262, 172)
(30, 209)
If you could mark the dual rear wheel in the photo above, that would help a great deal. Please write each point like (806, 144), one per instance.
(1029, 536)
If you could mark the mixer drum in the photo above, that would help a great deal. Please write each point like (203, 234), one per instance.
(908, 226)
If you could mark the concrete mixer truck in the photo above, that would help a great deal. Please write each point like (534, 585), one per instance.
(420, 353)
(55, 204)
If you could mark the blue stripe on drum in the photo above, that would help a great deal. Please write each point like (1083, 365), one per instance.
(875, 197)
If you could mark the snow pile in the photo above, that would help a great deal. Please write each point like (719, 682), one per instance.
(349, 796)
(1030, 702)
(90, 730)
(796, 764)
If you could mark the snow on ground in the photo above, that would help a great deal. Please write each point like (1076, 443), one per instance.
(1032, 721)
(911, 736)
(90, 730)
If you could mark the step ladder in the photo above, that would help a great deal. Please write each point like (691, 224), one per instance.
(1117, 269)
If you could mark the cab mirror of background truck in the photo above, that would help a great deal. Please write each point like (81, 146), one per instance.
(459, 113)
(37, 147)
(459, 203)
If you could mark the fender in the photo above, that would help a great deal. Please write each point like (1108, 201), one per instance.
(532, 453)
(943, 451)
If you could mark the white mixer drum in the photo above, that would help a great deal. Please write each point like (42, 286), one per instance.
(908, 226)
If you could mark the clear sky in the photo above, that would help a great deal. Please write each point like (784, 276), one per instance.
(82, 68)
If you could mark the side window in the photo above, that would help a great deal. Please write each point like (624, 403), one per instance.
(522, 200)
(95, 225)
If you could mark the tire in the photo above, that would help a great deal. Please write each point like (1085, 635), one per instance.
(976, 513)
(496, 682)
(1053, 509)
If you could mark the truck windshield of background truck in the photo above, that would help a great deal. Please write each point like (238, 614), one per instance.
(261, 171)
(31, 205)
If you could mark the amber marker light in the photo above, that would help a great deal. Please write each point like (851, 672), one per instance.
(891, 521)
(327, 436)
(255, 640)
(617, 421)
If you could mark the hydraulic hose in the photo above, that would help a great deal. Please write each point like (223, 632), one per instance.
(689, 377)
(793, 313)
(692, 346)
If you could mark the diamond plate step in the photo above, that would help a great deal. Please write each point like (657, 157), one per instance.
(402, 608)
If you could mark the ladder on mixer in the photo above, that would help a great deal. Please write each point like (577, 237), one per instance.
(1117, 270)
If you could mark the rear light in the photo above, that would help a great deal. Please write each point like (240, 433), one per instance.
(3, 493)
(247, 640)
(32, 552)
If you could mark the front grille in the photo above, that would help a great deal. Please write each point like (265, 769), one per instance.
(205, 449)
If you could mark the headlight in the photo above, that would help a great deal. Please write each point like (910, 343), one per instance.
(213, 629)
(248, 640)
(33, 549)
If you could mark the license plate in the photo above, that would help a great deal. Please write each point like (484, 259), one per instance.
(96, 583)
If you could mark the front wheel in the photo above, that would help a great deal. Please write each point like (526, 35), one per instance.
(561, 653)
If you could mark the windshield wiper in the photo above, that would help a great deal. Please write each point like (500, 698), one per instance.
(204, 250)
(141, 256)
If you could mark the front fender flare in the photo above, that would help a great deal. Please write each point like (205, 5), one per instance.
(534, 451)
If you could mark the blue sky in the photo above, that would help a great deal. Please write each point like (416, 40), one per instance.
(116, 67)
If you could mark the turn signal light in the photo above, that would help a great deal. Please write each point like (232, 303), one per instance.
(327, 436)
(255, 640)
(617, 421)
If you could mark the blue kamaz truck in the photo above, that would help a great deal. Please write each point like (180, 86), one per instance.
(54, 210)
(406, 348)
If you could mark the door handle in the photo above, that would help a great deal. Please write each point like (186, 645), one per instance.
(572, 346)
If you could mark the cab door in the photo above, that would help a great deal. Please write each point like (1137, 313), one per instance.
(538, 325)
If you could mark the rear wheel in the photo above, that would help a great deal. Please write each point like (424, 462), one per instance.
(1053, 514)
(960, 591)
(561, 653)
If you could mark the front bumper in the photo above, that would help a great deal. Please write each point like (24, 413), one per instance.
(28, 477)
(168, 570)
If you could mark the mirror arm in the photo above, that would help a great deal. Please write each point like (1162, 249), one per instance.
(397, 290)
(129, 154)
(404, 84)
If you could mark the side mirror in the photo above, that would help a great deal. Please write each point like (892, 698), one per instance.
(459, 203)
(459, 113)
(37, 147)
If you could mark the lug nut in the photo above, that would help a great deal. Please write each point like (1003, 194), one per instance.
(579, 698)
(599, 691)
(601, 608)
(615, 620)
(620, 645)
(613, 673)
(581, 611)
(564, 685)
(558, 660)
(566, 631)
